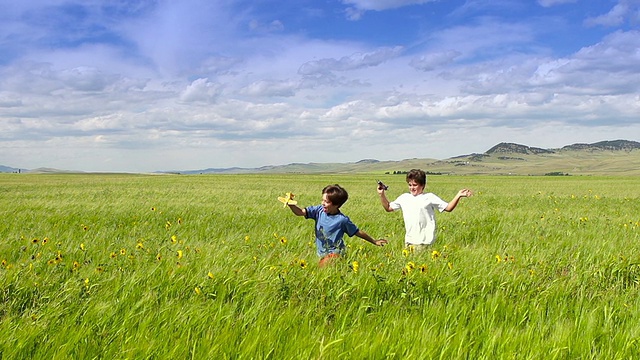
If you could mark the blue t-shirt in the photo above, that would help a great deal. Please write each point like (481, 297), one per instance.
(330, 229)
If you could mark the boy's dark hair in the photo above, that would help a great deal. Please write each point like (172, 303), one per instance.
(337, 194)
(418, 176)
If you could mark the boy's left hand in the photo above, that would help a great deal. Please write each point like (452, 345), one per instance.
(381, 242)
(465, 193)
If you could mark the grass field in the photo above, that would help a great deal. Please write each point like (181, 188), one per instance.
(98, 266)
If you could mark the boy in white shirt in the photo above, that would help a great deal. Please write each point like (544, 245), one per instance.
(418, 209)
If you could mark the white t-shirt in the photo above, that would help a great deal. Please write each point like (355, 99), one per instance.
(419, 216)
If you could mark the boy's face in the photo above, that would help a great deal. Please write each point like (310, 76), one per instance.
(328, 206)
(415, 188)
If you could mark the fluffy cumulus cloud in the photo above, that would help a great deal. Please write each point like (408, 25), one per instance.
(200, 90)
(158, 85)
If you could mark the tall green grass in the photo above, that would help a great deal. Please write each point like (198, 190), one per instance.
(212, 267)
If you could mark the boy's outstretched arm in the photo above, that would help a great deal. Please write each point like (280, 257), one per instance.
(363, 235)
(297, 210)
(453, 203)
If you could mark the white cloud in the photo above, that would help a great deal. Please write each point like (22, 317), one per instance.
(270, 88)
(624, 10)
(433, 61)
(359, 7)
(351, 62)
(379, 5)
(610, 67)
(201, 90)
(549, 3)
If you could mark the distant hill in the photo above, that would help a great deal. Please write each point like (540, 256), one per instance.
(505, 148)
(615, 145)
(7, 169)
(616, 157)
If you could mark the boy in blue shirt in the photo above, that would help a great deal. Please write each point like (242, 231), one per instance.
(331, 224)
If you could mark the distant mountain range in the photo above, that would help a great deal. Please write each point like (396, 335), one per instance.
(615, 145)
(604, 157)
(616, 157)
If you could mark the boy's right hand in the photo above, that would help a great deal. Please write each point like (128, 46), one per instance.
(287, 199)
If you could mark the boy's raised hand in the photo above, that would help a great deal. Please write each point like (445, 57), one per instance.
(465, 193)
(381, 186)
(287, 199)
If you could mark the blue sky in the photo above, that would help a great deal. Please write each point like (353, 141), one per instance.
(137, 86)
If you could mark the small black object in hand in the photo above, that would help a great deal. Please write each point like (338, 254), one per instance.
(382, 186)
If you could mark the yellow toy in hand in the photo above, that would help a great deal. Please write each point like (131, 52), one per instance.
(287, 200)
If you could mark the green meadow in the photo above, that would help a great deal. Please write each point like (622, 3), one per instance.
(120, 266)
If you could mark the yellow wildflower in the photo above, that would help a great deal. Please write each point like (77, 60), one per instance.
(355, 266)
(179, 254)
(408, 267)
(210, 275)
(198, 291)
